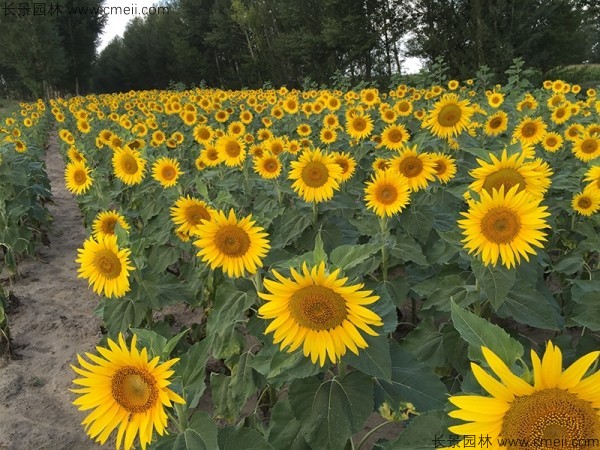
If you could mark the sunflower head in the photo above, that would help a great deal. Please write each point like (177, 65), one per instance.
(587, 202)
(106, 222)
(128, 165)
(166, 171)
(316, 175)
(77, 177)
(449, 117)
(387, 193)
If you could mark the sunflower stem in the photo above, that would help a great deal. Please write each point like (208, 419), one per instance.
(182, 416)
(315, 214)
(342, 369)
(279, 193)
(384, 234)
(257, 281)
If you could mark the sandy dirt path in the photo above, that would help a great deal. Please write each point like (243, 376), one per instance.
(52, 323)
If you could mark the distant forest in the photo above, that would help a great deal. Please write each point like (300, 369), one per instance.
(247, 43)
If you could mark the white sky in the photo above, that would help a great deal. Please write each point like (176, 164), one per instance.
(116, 23)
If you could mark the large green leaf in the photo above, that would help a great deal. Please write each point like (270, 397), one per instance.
(348, 256)
(285, 431)
(426, 342)
(231, 438)
(279, 366)
(192, 367)
(330, 411)
(228, 307)
(409, 250)
(201, 434)
(121, 314)
(531, 307)
(494, 281)
(420, 434)
(375, 359)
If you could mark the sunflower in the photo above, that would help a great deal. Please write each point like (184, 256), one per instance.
(347, 163)
(387, 193)
(561, 114)
(557, 406)
(359, 126)
(105, 266)
(449, 117)
(381, 164)
(496, 124)
(495, 99)
(511, 171)
(592, 176)
(574, 131)
(318, 311)
(210, 156)
(587, 202)
(504, 225)
(105, 222)
(328, 136)
(403, 108)
(393, 137)
(444, 165)
(77, 177)
(237, 246)
(128, 165)
(267, 166)
(417, 168)
(203, 134)
(316, 175)
(587, 147)
(552, 141)
(231, 149)
(125, 390)
(530, 131)
(188, 212)
(166, 171)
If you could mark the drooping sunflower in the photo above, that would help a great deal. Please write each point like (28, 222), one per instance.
(530, 177)
(237, 246)
(77, 177)
(504, 226)
(387, 193)
(316, 175)
(128, 165)
(318, 311)
(496, 124)
(530, 131)
(127, 392)
(557, 407)
(444, 165)
(393, 137)
(587, 202)
(449, 116)
(267, 166)
(105, 266)
(105, 222)
(188, 212)
(166, 171)
(417, 168)
(359, 126)
(587, 147)
(552, 142)
(231, 149)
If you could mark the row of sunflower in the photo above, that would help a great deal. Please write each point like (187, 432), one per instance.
(339, 254)
(24, 192)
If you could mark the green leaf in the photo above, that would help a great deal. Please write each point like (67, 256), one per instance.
(531, 307)
(407, 249)
(319, 254)
(494, 281)
(569, 264)
(420, 433)
(192, 367)
(412, 381)
(201, 434)
(288, 227)
(332, 410)
(231, 438)
(285, 431)
(280, 367)
(229, 305)
(348, 256)
(245, 381)
(122, 314)
(478, 332)
(375, 359)
(154, 342)
(426, 342)
(171, 344)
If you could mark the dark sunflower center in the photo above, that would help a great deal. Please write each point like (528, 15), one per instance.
(548, 417)
(343, 164)
(495, 123)
(108, 225)
(327, 135)
(134, 389)
(529, 130)
(411, 167)
(560, 113)
(359, 124)
(440, 167)
(386, 194)
(504, 177)
(551, 141)
(403, 107)
(318, 307)
(107, 263)
(232, 240)
(212, 154)
(233, 149)
(169, 173)
(129, 164)
(276, 148)
(449, 115)
(584, 202)
(203, 134)
(589, 146)
(80, 177)
(500, 225)
(271, 166)
(195, 214)
(315, 174)
(395, 136)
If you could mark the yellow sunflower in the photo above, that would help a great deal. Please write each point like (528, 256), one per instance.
(449, 117)
(496, 124)
(237, 246)
(393, 137)
(444, 165)
(592, 176)
(347, 163)
(267, 166)
(105, 222)
(128, 165)
(203, 134)
(105, 266)
(417, 168)
(328, 136)
(316, 175)
(555, 407)
(231, 149)
(504, 225)
(77, 177)
(126, 391)
(587, 202)
(552, 142)
(188, 212)
(586, 147)
(166, 171)
(530, 177)
(359, 126)
(387, 193)
(318, 311)
(210, 156)
(530, 131)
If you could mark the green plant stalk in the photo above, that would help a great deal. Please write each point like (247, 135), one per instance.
(384, 234)
(257, 281)
(182, 416)
(342, 369)
(315, 214)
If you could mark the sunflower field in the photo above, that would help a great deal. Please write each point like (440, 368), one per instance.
(308, 260)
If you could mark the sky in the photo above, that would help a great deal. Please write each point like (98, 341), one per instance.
(116, 23)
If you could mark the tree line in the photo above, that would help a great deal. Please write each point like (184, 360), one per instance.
(247, 43)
